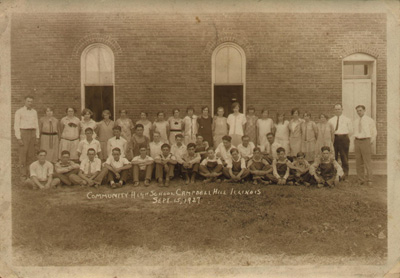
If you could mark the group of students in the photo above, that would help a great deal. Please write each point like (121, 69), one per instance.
(244, 146)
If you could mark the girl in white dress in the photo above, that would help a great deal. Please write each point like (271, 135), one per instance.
(282, 132)
(264, 126)
(86, 122)
(161, 125)
(126, 125)
(236, 122)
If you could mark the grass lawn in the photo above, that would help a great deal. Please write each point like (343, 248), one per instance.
(277, 225)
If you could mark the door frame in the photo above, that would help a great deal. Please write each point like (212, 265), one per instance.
(242, 54)
(83, 73)
(361, 57)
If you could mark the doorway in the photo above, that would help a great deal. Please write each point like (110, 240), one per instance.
(225, 95)
(98, 99)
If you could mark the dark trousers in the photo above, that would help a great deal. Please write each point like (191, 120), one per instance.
(142, 174)
(68, 178)
(190, 171)
(27, 151)
(164, 170)
(124, 176)
(341, 145)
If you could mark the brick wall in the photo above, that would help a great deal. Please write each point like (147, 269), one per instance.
(164, 60)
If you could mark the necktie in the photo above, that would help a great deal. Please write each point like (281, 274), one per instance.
(90, 168)
(337, 123)
(359, 126)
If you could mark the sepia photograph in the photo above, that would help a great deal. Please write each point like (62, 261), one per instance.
(200, 139)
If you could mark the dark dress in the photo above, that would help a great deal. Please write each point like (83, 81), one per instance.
(205, 129)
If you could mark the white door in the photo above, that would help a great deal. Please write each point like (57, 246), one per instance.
(356, 92)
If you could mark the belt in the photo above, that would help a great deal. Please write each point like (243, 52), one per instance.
(28, 128)
(49, 133)
(363, 138)
(70, 139)
(176, 130)
(341, 135)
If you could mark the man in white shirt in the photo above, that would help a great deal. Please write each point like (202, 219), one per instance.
(88, 143)
(155, 146)
(343, 130)
(118, 168)
(142, 167)
(270, 147)
(90, 169)
(223, 151)
(179, 150)
(26, 127)
(246, 148)
(116, 142)
(364, 136)
(190, 123)
(41, 173)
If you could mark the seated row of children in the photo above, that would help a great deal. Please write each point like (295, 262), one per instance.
(226, 162)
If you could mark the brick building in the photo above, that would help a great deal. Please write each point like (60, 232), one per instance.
(152, 62)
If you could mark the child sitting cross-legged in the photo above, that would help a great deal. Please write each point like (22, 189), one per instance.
(259, 167)
(142, 167)
(301, 169)
(281, 169)
(211, 167)
(235, 169)
(165, 164)
(191, 161)
(118, 169)
(325, 169)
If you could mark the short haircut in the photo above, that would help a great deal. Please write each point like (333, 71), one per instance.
(203, 108)
(270, 133)
(294, 110)
(147, 114)
(49, 108)
(256, 149)
(199, 135)
(189, 108)
(66, 110)
(360, 106)
(323, 114)
(106, 112)
(91, 150)
(88, 129)
(178, 136)
(263, 110)
(336, 104)
(156, 132)
(29, 96)
(138, 125)
(160, 112)
(325, 148)
(174, 110)
(245, 136)
(280, 149)
(165, 145)
(234, 150)
(306, 114)
(210, 148)
(116, 150)
(64, 152)
(117, 127)
(142, 147)
(41, 151)
(251, 107)
(235, 104)
(86, 111)
(123, 110)
(221, 108)
(300, 154)
(226, 138)
(191, 145)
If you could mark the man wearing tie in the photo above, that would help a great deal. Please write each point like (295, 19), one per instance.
(364, 136)
(26, 129)
(343, 130)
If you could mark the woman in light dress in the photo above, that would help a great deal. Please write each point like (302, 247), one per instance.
(69, 129)
(147, 125)
(325, 135)
(105, 132)
(49, 132)
(219, 126)
(265, 125)
(250, 126)
(176, 125)
(126, 125)
(282, 132)
(86, 122)
(161, 125)
(236, 123)
(295, 132)
(309, 133)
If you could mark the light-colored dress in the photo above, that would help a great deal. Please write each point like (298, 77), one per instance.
(309, 136)
(49, 138)
(146, 127)
(175, 127)
(190, 129)
(324, 138)
(221, 129)
(236, 123)
(105, 132)
(295, 136)
(282, 135)
(126, 128)
(162, 128)
(70, 136)
(264, 127)
(84, 125)
(250, 130)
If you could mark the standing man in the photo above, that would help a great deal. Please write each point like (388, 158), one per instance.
(343, 130)
(364, 136)
(26, 129)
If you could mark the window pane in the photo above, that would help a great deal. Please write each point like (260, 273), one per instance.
(99, 66)
(359, 69)
(235, 66)
(348, 69)
(221, 66)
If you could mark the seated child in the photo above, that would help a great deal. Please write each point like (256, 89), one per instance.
(191, 162)
(246, 148)
(301, 169)
(88, 143)
(117, 142)
(211, 167)
(235, 169)
(118, 169)
(201, 146)
(67, 170)
(281, 169)
(325, 169)
(223, 151)
(142, 167)
(90, 169)
(178, 149)
(259, 167)
(165, 164)
(41, 173)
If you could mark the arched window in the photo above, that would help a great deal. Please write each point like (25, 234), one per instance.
(97, 76)
(228, 77)
(359, 86)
